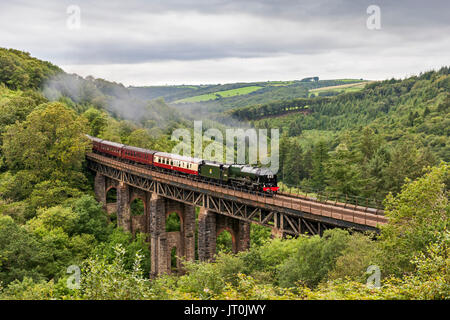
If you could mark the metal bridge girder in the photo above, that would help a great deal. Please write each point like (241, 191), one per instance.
(288, 220)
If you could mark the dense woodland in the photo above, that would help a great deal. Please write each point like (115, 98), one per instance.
(390, 141)
(362, 143)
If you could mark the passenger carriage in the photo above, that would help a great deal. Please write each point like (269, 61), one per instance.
(138, 155)
(176, 162)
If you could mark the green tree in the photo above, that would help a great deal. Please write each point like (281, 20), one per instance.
(90, 218)
(49, 142)
(97, 121)
(294, 170)
(314, 259)
(361, 252)
(132, 246)
(285, 144)
(417, 216)
(141, 138)
(105, 280)
(20, 71)
(17, 106)
(369, 143)
(21, 254)
(343, 172)
(374, 173)
(50, 193)
(406, 161)
(319, 158)
(54, 228)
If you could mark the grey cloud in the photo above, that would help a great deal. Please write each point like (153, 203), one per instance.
(138, 31)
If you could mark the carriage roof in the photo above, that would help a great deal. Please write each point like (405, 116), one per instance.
(142, 150)
(178, 157)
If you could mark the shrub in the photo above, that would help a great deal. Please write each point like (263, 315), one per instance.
(314, 258)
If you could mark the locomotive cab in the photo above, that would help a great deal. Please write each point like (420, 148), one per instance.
(269, 182)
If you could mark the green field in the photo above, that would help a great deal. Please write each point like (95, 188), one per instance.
(351, 87)
(220, 94)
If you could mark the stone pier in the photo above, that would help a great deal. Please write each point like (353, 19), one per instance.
(152, 221)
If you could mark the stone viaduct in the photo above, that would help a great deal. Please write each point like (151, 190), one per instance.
(220, 208)
(153, 222)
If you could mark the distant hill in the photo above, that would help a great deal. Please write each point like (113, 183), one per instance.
(232, 95)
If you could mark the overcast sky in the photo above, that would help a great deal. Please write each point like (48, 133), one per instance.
(220, 41)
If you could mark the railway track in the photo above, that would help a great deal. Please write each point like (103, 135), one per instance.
(287, 195)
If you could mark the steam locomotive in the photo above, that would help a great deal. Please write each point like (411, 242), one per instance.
(238, 175)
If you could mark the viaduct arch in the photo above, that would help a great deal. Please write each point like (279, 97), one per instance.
(221, 209)
(153, 222)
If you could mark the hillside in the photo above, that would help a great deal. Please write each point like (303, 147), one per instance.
(21, 71)
(361, 144)
(217, 98)
(335, 90)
